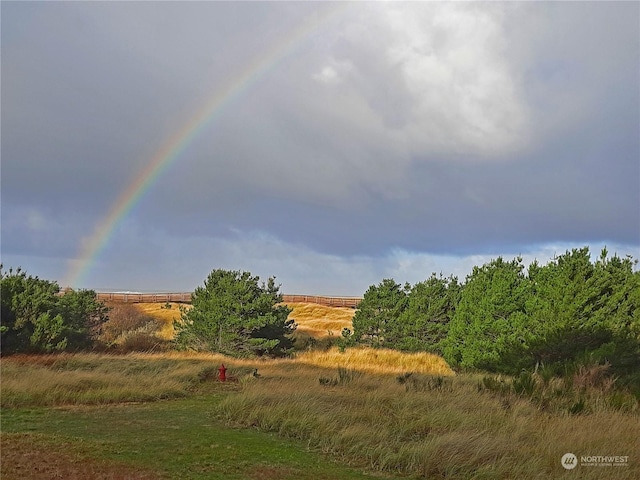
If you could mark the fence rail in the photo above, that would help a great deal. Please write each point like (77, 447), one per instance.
(321, 300)
(185, 297)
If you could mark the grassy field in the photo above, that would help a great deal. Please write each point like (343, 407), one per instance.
(314, 320)
(323, 414)
(139, 416)
(167, 439)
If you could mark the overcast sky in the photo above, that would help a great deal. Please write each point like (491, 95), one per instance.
(373, 140)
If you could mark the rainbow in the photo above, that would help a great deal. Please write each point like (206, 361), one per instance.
(176, 145)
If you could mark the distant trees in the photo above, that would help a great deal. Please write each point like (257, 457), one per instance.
(431, 304)
(407, 318)
(581, 311)
(236, 315)
(36, 319)
(375, 321)
(505, 317)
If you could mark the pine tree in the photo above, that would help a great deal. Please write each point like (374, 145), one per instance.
(236, 315)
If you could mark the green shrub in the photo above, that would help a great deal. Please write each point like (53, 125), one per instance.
(37, 318)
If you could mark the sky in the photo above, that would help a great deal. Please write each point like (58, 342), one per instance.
(328, 144)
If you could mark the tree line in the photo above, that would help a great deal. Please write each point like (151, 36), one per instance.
(505, 317)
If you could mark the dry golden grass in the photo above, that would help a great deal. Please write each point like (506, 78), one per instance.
(165, 316)
(318, 320)
(90, 378)
(313, 319)
(428, 429)
(381, 361)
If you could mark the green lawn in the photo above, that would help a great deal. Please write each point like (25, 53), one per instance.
(179, 438)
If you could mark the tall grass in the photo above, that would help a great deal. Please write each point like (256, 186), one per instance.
(380, 361)
(433, 427)
(588, 390)
(90, 378)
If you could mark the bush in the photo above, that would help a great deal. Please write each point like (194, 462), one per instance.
(345, 376)
(129, 330)
(421, 383)
(524, 384)
(37, 318)
(303, 341)
(124, 318)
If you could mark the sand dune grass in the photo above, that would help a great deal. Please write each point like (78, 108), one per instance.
(318, 320)
(164, 315)
(379, 361)
(431, 429)
(88, 378)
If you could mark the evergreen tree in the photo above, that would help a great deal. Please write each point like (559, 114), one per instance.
(374, 322)
(424, 323)
(36, 318)
(490, 315)
(235, 315)
(581, 312)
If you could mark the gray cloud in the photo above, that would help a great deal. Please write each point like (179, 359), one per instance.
(425, 128)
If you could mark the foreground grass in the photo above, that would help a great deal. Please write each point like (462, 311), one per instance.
(429, 424)
(398, 414)
(41, 456)
(98, 379)
(168, 439)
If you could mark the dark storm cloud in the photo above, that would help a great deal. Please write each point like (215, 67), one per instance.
(426, 128)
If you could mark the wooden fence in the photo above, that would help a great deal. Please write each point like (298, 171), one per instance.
(329, 301)
(185, 297)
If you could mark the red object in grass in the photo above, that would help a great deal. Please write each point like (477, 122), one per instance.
(222, 373)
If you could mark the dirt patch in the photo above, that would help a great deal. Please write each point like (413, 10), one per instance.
(27, 456)
(264, 472)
